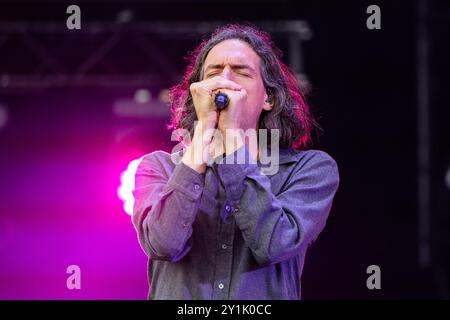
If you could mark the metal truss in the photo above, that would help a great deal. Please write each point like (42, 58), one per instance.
(37, 55)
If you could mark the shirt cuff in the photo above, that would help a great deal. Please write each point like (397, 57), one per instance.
(233, 170)
(187, 180)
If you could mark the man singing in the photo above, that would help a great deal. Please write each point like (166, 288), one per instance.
(224, 229)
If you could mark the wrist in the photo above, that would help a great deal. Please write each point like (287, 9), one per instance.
(233, 141)
(196, 154)
(237, 139)
(192, 157)
(207, 122)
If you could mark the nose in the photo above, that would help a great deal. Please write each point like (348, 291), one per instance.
(227, 73)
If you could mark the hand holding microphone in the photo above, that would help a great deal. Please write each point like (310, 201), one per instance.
(209, 97)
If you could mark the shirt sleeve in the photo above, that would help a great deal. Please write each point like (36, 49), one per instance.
(165, 207)
(276, 226)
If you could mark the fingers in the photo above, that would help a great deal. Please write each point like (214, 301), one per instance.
(212, 85)
(232, 93)
(221, 83)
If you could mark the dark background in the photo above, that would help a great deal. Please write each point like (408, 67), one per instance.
(63, 148)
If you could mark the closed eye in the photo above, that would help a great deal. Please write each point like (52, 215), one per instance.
(212, 74)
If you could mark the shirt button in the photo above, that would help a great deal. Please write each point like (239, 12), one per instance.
(196, 186)
(227, 208)
(185, 224)
(224, 246)
(220, 286)
(236, 209)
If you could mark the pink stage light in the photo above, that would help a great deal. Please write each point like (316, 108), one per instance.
(125, 190)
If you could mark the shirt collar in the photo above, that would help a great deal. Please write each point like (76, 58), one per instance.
(285, 155)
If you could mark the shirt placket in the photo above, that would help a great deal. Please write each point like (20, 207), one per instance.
(224, 257)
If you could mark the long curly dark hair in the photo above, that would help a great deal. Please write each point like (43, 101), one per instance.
(290, 113)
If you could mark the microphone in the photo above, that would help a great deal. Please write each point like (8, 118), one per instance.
(221, 100)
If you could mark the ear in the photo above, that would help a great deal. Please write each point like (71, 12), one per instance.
(268, 101)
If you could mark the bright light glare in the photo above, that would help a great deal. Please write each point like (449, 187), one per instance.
(125, 190)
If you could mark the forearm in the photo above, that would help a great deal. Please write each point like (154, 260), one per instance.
(165, 209)
(276, 226)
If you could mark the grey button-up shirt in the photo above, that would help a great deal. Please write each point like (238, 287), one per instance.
(232, 232)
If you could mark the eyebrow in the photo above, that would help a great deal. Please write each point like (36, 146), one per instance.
(233, 66)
